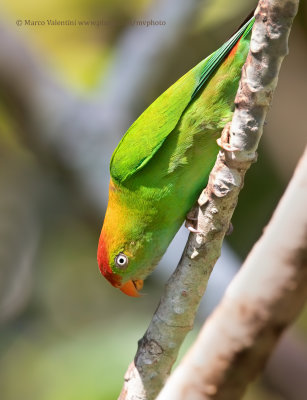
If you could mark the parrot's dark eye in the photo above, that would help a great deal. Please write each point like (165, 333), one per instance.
(121, 260)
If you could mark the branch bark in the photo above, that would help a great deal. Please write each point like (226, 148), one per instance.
(262, 300)
(174, 317)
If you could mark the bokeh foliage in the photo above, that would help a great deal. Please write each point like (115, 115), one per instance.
(66, 334)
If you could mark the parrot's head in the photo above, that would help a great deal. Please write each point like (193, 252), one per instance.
(125, 254)
(113, 262)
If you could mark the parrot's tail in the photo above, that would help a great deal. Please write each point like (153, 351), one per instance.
(216, 58)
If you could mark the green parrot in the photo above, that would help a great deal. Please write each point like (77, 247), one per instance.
(162, 163)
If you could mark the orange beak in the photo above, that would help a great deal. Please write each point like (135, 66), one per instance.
(131, 288)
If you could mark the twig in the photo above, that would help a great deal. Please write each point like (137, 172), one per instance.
(175, 314)
(262, 300)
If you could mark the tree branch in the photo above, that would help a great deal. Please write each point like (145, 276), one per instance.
(175, 314)
(262, 300)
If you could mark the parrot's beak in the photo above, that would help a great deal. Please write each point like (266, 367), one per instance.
(131, 288)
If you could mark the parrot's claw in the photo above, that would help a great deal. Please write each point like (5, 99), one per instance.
(191, 219)
(226, 146)
(193, 230)
(190, 226)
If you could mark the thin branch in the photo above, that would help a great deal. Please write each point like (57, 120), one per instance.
(262, 300)
(175, 314)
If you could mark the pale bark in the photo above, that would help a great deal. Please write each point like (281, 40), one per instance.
(175, 314)
(262, 300)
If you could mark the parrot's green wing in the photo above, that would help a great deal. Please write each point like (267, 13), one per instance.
(147, 134)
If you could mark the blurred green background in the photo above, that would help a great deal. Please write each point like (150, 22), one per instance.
(67, 94)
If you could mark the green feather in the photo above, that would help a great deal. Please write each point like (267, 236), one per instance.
(148, 133)
(164, 160)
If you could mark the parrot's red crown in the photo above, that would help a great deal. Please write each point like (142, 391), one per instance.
(104, 266)
(130, 287)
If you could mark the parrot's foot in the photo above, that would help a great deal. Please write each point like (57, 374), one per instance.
(191, 218)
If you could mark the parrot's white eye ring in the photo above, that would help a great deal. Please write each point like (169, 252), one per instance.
(121, 260)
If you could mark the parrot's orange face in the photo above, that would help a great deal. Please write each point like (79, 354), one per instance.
(118, 250)
(121, 260)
